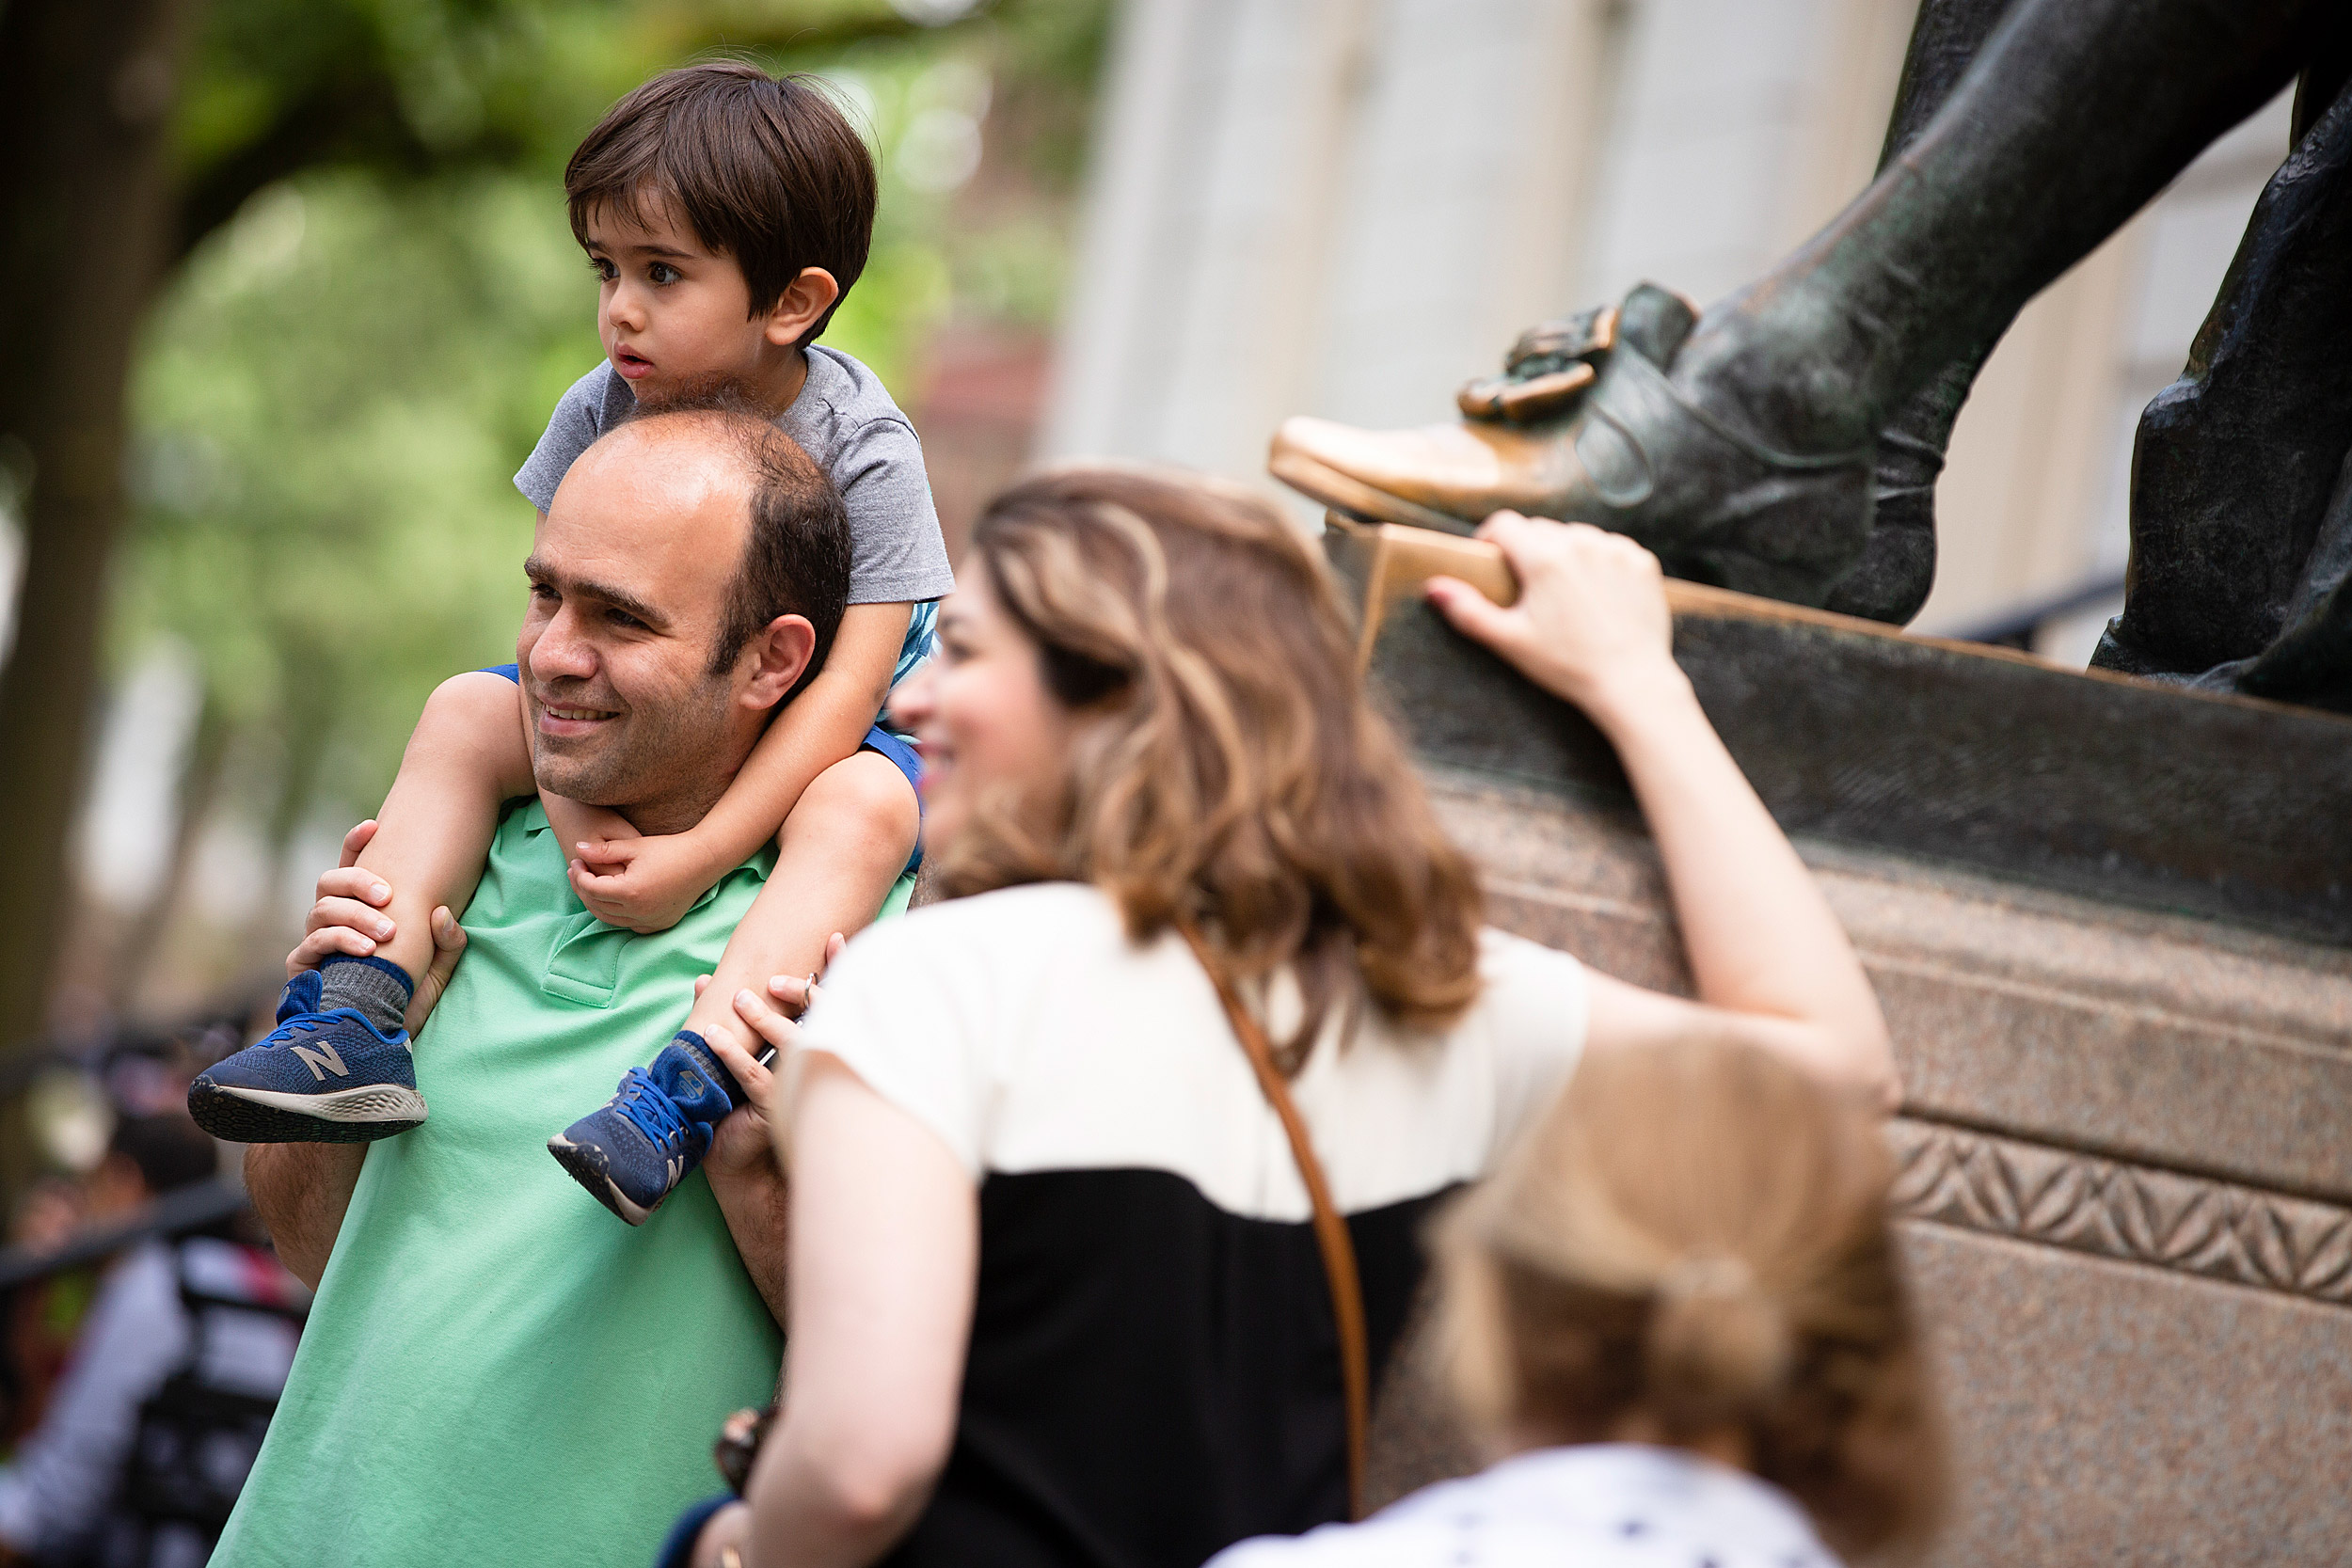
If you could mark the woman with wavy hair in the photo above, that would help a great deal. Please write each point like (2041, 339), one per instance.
(1056, 1294)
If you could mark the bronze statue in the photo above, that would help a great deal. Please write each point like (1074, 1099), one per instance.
(1785, 440)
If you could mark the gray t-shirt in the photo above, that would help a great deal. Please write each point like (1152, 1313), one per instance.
(844, 420)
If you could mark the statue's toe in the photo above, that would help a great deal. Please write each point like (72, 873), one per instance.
(1588, 424)
(1438, 475)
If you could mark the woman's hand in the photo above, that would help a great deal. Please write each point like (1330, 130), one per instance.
(1590, 623)
(646, 885)
(1771, 961)
(348, 918)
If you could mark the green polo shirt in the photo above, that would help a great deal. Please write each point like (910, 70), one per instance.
(498, 1370)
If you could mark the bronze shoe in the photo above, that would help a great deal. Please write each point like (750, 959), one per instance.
(1585, 425)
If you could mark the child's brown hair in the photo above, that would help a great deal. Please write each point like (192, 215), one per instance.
(1697, 1233)
(764, 168)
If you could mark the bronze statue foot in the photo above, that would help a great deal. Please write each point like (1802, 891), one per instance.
(1585, 424)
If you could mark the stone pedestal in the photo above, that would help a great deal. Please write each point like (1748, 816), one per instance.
(2110, 925)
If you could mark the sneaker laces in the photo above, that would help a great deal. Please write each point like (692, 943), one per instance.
(300, 1024)
(303, 1022)
(654, 1113)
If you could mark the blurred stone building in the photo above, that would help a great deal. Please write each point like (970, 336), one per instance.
(1347, 207)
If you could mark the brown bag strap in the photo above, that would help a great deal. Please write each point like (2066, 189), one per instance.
(1339, 1249)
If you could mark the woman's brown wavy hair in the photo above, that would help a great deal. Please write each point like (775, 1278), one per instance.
(1230, 772)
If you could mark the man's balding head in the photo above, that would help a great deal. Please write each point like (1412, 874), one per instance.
(688, 578)
(795, 559)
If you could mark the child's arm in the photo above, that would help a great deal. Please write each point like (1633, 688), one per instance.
(841, 850)
(577, 827)
(646, 883)
(466, 756)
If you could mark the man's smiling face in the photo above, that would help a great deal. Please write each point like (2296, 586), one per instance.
(673, 314)
(629, 574)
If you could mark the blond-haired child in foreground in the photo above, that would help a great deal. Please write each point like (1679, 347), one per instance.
(1678, 1312)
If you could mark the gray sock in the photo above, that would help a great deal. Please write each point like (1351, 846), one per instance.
(376, 989)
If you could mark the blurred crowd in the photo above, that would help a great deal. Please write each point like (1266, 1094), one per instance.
(146, 1328)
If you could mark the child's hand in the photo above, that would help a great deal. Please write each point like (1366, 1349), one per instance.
(646, 885)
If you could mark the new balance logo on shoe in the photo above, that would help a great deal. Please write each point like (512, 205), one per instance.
(322, 1059)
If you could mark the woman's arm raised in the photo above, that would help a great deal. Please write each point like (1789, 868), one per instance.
(1771, 962)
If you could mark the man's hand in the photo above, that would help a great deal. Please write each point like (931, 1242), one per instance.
(1590, 623)
(744, 1149)
(746, 1177)
(797, 993)
(348, 918)
(646, 885)
(746, 1174)
(725, 1540)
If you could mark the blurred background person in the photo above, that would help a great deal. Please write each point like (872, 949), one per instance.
(146, 1436)
(74, 1100)
(1678, 1312)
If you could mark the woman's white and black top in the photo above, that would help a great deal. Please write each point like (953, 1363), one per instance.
(1153, 1371)
(1605, 1506)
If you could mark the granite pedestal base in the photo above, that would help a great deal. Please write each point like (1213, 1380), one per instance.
(2120, 993)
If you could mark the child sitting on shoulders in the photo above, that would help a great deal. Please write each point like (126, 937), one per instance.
(1677, 1311)
(725, 213)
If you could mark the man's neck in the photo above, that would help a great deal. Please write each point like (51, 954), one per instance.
(678, 812)
(675, 815)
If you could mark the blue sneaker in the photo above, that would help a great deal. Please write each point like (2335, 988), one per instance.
(653, 1132)
(326, 1077)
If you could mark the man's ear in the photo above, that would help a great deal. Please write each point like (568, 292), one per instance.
(780, 651)
(804, 301)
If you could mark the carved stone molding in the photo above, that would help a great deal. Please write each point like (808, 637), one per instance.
(2062, 1198)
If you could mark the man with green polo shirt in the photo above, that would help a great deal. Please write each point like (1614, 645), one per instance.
(494, 1372)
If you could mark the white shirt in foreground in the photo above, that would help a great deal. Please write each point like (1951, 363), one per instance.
(1024, 1029)
(1612, 1505)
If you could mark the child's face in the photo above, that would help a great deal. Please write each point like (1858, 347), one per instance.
(673, 314)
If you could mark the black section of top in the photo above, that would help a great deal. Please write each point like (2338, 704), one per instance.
(1151, 1378)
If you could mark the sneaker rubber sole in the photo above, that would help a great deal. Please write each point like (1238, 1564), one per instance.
(362, 1113)
(586, 1165)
